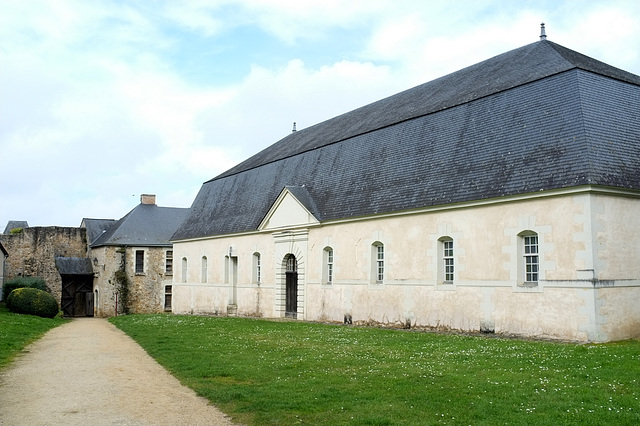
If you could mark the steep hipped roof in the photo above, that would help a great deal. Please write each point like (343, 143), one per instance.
(96, 227)
(536, 118)
(146, 225)
(508, 70)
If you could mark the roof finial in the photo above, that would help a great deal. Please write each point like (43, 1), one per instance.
(294, 127)
(543, 33)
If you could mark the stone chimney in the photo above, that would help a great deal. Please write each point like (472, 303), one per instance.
(148, 199)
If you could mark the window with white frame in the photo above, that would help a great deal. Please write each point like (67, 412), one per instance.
(327, 268)
(447, 260)
(378, 262)
(139, 263)
(205, 269)
(530, 258)
(257, 272)
(168, 262)
(184, 270)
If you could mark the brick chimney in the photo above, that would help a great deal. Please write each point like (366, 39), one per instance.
(148, 199)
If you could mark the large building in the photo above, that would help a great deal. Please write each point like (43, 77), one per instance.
(504, 198)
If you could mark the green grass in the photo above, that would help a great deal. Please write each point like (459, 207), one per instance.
(267, 372)
(17, 331)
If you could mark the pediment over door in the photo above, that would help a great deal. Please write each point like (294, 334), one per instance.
(293, 208)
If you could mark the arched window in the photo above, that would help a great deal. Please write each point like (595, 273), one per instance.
(377, 262)
(205, 269)
(327, 266)
(446, 260)
(184, 270)
(257, 272)
(529, 262)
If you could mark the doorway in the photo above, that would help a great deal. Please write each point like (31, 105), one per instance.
(77, 295)
(291, 287)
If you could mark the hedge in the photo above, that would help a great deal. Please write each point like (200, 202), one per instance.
(32, 301)
(22, 282)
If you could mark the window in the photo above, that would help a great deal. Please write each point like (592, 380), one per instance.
(167, 297)
(447, 260)
(168, 262)
(204, 271)
(327, 270)
(184, 270)
(378, 262)
(257, 273)
(530, 258)
(139, 261)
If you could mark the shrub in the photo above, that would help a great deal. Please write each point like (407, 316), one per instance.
(22, 282)
(32, 301)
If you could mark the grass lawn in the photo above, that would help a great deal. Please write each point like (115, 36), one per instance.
(17, 331)
(268, 372)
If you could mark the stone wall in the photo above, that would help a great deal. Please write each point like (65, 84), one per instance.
(32, 253)
(145, 290)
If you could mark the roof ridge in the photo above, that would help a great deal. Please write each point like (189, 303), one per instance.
(432, 96)
(587, 63)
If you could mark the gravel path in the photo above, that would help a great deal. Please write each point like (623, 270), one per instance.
(88, 372)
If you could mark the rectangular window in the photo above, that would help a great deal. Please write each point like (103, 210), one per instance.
(168, 262)
(167, 298)
(380, 263)
(139, 261)
(258, 277)
(531, 263)
(447, 257)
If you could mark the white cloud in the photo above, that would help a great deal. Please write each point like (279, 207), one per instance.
(96, 106)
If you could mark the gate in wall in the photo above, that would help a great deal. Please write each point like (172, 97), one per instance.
(77, 295)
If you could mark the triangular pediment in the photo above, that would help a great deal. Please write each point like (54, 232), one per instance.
(288, 211)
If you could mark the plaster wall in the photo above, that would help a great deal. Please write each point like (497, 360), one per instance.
(577, 236)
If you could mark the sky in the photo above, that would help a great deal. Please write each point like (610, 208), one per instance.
(102, 101)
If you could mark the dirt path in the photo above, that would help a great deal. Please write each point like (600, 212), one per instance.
(88, 372)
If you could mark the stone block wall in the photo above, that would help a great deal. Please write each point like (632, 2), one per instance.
(32, 253)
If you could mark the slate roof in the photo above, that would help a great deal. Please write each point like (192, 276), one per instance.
(96, 227)
(536, 118)
(74, 266)
(146, 225)
(13, 224)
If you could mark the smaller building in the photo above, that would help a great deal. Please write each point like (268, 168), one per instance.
(132, 259)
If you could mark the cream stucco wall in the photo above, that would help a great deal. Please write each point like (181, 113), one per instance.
(588, 288)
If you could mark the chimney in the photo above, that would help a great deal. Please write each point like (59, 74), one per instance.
(148, 199)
